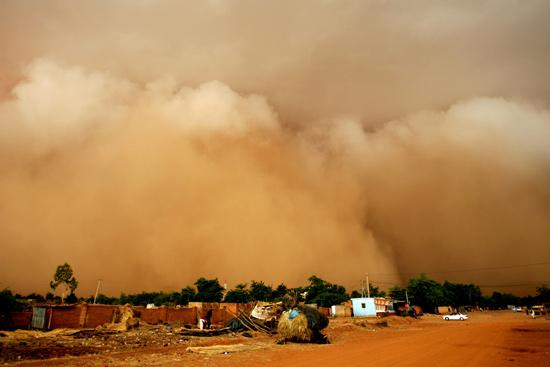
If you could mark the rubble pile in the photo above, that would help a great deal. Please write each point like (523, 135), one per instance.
(24, 344)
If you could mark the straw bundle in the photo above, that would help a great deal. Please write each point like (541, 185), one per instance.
(296, 329)
(124, 318)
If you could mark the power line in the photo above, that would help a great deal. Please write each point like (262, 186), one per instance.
(533, 284)
(514, 285)
(464, 270)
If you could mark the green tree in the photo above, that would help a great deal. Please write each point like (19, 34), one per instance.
(398, 293)
(461, 294)
(543, 294)
(324, 293)
(209, 290)
(259, 291)
(355, 294)
(426, 293)
(8, 304)
(167, 299)
(238, 295)
(64, 277)
(501, 300)
(71, 298)
(376, 291)
(35, 297)
(280, 292)
(188, 294)
(102, 299)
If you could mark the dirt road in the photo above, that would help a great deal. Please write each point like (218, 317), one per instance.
(487, 339)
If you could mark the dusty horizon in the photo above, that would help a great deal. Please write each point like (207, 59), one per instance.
(150, 144)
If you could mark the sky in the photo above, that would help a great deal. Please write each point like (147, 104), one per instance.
(150, 143)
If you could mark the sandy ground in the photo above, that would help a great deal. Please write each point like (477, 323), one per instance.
(498, 338)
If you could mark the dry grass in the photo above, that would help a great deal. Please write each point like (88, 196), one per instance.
(295, 329)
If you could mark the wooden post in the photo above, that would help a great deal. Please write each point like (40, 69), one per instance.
(50, 318)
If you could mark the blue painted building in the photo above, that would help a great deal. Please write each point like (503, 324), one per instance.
(363, 307)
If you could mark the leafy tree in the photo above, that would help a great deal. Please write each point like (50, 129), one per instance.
(426, 293)
(398, 293)
(8, 304)
(375, 291)
(35, 297)
(102, 299)
(64, 277)
(209, 290)
(167, 299)
(324, 293)
(543, 294)
(259, 291)
(355, 294)
(500, 300)
(238, 295)
(188, 294)
(71, 298)
(461, 294)
(528, 301)
(139, 299)
(280, 292)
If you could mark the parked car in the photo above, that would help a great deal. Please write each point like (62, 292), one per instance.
(456, 316)
(517, 309)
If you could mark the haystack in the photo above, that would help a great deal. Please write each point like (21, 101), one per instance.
(302, 324)
(124, 318)
(295, 329)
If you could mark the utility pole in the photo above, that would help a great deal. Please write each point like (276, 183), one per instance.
(368, 286)
(97, 290)
(362, 288)
(406, 295)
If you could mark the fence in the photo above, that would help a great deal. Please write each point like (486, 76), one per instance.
(50, 317)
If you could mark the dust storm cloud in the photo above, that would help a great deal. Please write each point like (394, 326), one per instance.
(152, 144)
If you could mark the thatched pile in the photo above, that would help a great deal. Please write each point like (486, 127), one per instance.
(124, 318)
(302, 324)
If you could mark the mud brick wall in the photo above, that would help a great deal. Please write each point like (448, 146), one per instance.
(91, 316)
(20, 320)
(220, 317)
(164, 314)
(231, 307)
(183, 315)
(63, 317)
(152, 315)
(96, 315)
(237, 308)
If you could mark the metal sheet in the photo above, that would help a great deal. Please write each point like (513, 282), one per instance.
(38, 317)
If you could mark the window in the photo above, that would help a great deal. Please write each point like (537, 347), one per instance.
(363, 305)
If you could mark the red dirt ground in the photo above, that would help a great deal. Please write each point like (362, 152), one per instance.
(498, 338)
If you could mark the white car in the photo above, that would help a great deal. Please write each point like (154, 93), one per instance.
(456, 316)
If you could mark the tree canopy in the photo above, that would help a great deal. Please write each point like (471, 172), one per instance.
(426, 293)
(64, 277)
(461, 294)
(543, 294)
(259, 291)
(188, 294)
(239, 294)
(398, 293)
(324, 293)
(208, 290)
